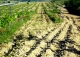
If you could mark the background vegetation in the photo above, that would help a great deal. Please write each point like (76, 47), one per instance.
(74, 4)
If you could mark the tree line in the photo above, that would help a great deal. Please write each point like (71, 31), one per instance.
(73, 4)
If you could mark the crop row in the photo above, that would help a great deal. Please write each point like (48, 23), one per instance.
(10, 21)
(53, 12)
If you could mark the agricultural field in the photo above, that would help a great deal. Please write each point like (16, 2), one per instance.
(39, 29)
(12, 17)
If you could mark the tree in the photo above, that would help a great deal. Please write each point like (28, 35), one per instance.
(74, 4)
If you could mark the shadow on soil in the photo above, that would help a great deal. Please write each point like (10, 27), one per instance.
(51, 18)
(74, 50)
(74, 12)
(62, 45)
(19, 37)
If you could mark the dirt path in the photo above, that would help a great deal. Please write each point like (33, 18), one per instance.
(40, 37)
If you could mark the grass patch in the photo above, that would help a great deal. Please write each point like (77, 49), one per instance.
(8, 30)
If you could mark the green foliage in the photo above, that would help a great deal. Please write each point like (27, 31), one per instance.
(53, 12)
(10, 23)
(19, 14)
(74, 4)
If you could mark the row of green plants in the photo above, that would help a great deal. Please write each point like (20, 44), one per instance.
(5, 15)
(9, 24)
(53, 12)
(16, 12)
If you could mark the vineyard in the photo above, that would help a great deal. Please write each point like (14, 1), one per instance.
(38, 29)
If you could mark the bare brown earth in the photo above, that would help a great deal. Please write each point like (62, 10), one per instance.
(40, 37)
